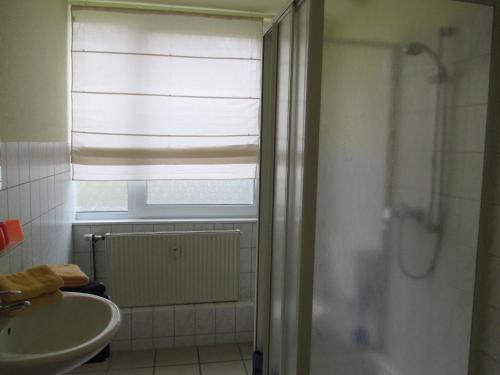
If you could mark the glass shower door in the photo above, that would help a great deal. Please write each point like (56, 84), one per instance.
(403, 118)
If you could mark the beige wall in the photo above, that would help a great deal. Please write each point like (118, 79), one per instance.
(33, 70)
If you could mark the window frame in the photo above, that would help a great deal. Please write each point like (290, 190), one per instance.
(139, 209)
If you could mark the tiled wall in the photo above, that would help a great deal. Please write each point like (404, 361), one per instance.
(185, 325)
(436, 311)
(36, 188)
(178, 325)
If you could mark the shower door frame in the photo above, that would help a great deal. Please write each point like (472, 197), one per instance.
(488, 192)
(303, 292)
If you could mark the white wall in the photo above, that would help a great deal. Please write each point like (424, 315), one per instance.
(35, 181)
(33, 70)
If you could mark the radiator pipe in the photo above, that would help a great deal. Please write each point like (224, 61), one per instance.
(93, 238)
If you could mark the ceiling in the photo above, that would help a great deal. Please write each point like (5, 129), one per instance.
(370, 20)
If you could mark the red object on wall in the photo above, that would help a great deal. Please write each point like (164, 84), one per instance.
(5, 233)
(15, 230)
(3, 243)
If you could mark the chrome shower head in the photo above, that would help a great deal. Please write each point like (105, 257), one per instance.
(417, 48)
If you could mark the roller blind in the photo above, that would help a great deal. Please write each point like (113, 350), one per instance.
(159, 96)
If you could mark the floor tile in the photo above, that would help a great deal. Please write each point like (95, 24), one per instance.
(134, 371)
(248, 366)
(178, 370)
(92, 367)
(132, 360)
(176, 356)
(219, 353)
(223, 368)
(246, 350)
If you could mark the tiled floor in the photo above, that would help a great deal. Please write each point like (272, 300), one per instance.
(229, 359)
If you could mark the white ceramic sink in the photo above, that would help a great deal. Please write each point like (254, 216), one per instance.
(59, 337)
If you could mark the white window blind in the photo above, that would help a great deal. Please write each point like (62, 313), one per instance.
(160, 96)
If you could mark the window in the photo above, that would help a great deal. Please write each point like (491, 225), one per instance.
(165, 112)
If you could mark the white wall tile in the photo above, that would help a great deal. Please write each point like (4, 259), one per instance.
(51, 192)
(25, 203)
(245, 234)
(125, 331)
(24, 165)
(83, 260)
(163, 227)
(224, 338)
(4, 263)
(223, 226)
(184, 320)
(142, 323)
(473, 172)
(139, 345)
(13, 196)
(36, 240)
(205, 319)
(16, 259)
(246, 260)
(179, 227)
(163, 342)
(225, 316)
(27, 247)
(121, 346)
(4, 205)
(202, 340)
(245, 285)
(44, 195)
(184, 341)
(12, 159)
(244, 316)
(3, 166)
(122, 228)
(163, 321)
(203, 226)
(243, 337)
(35, 199)
(34, 160)
(80, 243)
(143, 228)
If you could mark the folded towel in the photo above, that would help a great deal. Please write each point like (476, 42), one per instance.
(93, 287)
(71, 274)
(33, 282)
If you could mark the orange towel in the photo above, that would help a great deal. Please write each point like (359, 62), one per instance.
(33, 282)
(71, 274)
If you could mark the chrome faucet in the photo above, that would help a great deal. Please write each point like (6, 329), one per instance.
(21, 305)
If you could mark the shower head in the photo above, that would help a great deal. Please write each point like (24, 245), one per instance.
(417, 48)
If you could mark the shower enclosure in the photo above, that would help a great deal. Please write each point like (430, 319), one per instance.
(372, 234)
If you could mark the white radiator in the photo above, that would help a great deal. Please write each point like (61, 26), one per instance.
(165, 268)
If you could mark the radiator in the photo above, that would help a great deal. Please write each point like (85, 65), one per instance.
(165, 268)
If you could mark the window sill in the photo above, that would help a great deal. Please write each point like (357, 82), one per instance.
(164, 221)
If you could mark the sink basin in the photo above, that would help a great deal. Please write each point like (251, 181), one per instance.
(59, 337)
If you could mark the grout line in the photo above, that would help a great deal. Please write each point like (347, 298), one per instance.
(199, 360)
(154, 361)
(34, 180)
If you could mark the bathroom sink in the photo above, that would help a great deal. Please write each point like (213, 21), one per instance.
(59, 337)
